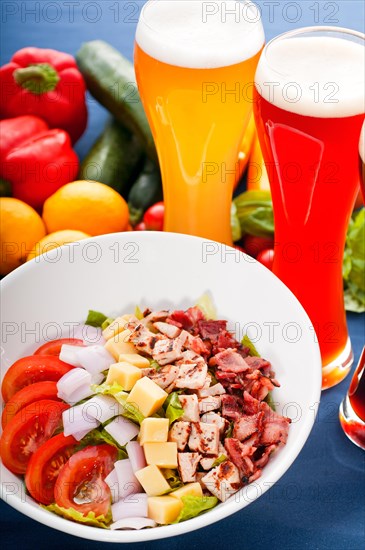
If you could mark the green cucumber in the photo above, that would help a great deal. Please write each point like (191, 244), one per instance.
(111, 80)
(5, 188)
(116, 158)
(145, 192)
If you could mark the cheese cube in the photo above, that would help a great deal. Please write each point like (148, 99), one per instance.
(194, 489)
(119, 344)
(135, 359)
(163, 455)
(152, 480)
(125, 374)
(147, 396)
(118, 325)
(163, 509)
(154, 429)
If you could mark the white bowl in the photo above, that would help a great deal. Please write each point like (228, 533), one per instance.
(115, 272)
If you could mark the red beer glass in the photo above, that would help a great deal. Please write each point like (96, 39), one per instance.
(309, 110)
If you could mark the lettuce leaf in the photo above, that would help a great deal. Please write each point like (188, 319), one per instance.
(206, 305)
(72, 514)
(247, 343)
(194, 506)
(353, 269)
(138, 313)
(219, 460)
(173, 408)
(107, 322)
(235, 224)
(172, 477)
(95, 318)
(130, 411)
(255, 213)
(97, 436)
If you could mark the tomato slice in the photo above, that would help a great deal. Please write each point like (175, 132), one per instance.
(28, 370)
(27, 431)
(80, 483)
(27, 395)
(54, 347)
(45, 464)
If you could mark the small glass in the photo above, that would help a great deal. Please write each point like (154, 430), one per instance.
(352, 408)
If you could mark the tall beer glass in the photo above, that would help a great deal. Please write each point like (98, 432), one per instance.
(195, 62)
(309, 110)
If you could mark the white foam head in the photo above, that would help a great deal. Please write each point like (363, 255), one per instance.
(316, 74)
(200, 33)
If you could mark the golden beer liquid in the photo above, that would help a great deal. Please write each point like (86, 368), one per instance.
(198, 118)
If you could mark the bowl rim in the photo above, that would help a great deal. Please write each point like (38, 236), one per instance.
(223, 510)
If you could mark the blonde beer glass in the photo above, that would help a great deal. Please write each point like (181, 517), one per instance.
(195, 62)
(309, 110)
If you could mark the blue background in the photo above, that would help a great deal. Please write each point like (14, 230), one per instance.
(320, 502)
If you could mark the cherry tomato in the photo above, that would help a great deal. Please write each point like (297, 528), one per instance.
(80, 483)
(54, 347)
(27, 395)
(154, 217)
(254, 245)
(237, 247)
(141, 226)
(35, 368)
(266, 258)
(44, 466)
(27, 431)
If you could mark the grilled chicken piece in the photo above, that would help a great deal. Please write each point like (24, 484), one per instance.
(214, 418)
(190, 405)
(204, 438)
(167, 330)
(211, 403)
(168, 351)
(188, 463)
(223, 481)
(179, 433)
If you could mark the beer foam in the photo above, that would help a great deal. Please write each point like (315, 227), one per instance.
(313, 76)
(200, 34)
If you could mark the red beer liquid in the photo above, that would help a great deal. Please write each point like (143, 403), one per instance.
(313, 171)
(357, 389)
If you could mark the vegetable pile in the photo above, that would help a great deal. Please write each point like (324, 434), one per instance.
(145, 420)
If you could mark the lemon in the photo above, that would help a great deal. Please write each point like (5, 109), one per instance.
(87, 206)
(53, 240)
(20, 228)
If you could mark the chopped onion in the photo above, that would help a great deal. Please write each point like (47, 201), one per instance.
(68, 355)
(134, 505)
(72, 380)
(94, 359)
(122, 430)
(136, 455)
(76, 420)
(79, 394)
(128, 484)
(90, 335)
(133, 523)
(112, 481)
(79, 435)
(102, 408)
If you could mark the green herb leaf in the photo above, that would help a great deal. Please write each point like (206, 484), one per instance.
(173, 408)
(247, 343)
(194, 506)
(95, 318)
(353, 269)
(219, 460)
(129, 410)
(107, 322)
(72, 514)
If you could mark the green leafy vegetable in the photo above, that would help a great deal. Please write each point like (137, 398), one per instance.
(219, 460)
(213, 378)
(172, 477)
(194, 506)
(229, 431)
(97, 436)
(173, 408)
(206, 305)
(72, 514)
(235, 224)
(116, 390)
(247, 343)
(138, 312)
(95, 318)
(107, 322)
(269, 400)
(255, 213)
(154, 364)
(353, 269)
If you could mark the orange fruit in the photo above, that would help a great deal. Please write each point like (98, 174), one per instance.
(53, 240)
(87, 206)
(20, 228)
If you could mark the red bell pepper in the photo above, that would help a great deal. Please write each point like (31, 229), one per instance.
(14, 131)
(46, 83)
(40, 163)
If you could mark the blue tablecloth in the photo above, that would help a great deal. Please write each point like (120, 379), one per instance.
(320, 502)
